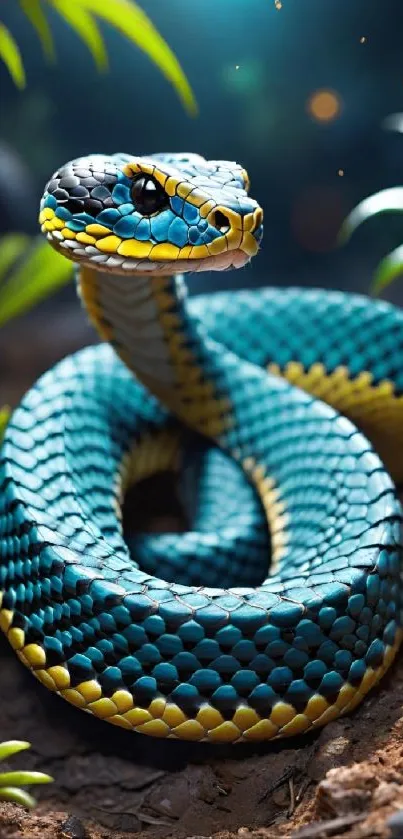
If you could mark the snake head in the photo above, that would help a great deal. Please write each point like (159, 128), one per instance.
(160, 213)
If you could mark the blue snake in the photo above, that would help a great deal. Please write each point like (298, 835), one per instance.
(281, 604)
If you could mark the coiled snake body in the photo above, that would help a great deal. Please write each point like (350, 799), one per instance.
(281, 606)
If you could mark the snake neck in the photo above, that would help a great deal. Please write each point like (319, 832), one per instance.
(146, 320)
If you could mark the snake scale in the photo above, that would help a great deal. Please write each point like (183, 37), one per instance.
(281, 604)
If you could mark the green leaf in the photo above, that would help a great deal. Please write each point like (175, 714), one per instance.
(129, 19)
(42, 272)
(34, 12)
(12, 246)
(9, 792)
(388, 270)
(10, 54)
(5, 412)
(18, 796)
(394, 122)
(386, 201)
(23, 779)
(85, 27)
(12, 747)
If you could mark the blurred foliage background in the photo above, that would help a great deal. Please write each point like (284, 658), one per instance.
(295, 90)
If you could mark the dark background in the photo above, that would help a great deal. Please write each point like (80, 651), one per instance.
(256, 114)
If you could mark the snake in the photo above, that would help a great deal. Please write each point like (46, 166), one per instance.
(277, 412)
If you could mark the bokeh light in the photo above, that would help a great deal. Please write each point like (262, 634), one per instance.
(324, 105)
(245, 77)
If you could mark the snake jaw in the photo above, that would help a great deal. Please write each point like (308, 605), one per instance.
(114, 263)
(97, 212)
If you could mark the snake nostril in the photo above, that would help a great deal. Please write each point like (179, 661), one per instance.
(220, 221)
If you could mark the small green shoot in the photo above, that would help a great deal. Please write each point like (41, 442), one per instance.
(11, 782)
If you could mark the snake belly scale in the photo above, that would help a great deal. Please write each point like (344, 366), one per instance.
(281, 605)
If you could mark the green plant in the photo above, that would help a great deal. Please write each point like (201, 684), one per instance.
(385, 201)
(11, 782)
(4, 417)
(29, 271)
(81, 15)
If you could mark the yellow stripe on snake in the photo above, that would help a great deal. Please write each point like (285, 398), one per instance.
(280, 606)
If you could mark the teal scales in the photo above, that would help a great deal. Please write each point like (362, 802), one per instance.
(281, 605)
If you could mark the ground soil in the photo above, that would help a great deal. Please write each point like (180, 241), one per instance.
(344, 781)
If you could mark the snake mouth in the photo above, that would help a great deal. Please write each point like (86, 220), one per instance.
(90, 257)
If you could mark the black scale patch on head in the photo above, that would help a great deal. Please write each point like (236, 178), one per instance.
(84, 189)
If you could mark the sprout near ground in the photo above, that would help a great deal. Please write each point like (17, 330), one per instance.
(11, 782)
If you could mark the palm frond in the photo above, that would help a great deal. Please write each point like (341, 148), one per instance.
(131, 21)
(35, 14)
(85, 27)
(81, 15)
(10, 54)
(36, 272)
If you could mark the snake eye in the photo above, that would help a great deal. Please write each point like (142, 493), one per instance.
(148, 195)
